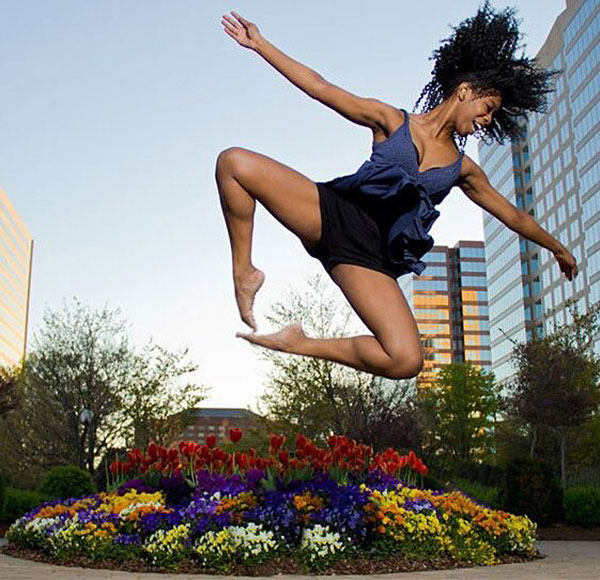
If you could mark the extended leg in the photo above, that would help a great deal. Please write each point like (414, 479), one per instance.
(244, 177)
(394, 351)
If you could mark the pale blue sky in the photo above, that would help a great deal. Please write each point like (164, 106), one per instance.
(114, 112)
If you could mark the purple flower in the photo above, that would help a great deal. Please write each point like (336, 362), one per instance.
(138, 485)
(128, 539)
(418, 505)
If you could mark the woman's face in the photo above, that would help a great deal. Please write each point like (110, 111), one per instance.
(474, 111)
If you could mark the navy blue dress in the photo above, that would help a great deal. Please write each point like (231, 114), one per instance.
(379, 217)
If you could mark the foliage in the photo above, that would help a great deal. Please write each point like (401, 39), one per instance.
(557, 383)
(479, 492)
(458, 414)
(65, 481)
(483, 473)
(2, 492)
(9, 378)
(582, 506)
(531, 487)
(152, 409)
(18, 502)
(76, 394)
(585, 453)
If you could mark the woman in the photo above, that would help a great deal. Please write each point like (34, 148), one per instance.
(371, 227)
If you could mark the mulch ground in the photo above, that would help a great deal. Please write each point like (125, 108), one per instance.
(357, 565)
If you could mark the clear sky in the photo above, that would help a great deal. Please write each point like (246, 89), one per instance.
(114, 112)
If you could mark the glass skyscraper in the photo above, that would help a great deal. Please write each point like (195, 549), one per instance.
(449, 303)
(554, 174)
(15, 281)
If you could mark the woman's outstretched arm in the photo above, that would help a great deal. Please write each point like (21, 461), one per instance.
(364, 111)
(476, 186)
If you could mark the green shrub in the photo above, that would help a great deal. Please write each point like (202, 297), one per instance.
(481, 493)
(483, 473)
(67, 481)
(2, 492)
(582, 506)
(432, 482)
(531, 487)
(18, 502)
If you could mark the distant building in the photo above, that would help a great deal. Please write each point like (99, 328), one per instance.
(449, 303)
(218, 422)
(16, 250)
(554, 175)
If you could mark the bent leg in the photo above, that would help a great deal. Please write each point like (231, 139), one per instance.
(244, 177)
(395, 349)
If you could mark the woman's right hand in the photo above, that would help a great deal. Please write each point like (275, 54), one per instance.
(567, 263)
(244, 31)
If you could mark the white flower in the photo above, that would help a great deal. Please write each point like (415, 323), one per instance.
(319, 541)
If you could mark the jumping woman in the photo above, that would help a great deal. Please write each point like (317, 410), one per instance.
(369, 228)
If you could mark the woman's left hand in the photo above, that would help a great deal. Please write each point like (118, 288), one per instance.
(567, 262)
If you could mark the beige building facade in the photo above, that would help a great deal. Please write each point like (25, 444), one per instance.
(16, 253)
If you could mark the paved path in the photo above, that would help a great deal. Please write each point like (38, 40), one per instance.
(565, 561)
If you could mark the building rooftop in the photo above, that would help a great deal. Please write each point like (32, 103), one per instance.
(220, 412)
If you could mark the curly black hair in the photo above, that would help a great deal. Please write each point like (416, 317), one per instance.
(481, 51)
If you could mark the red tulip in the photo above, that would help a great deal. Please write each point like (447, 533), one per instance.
(152, 451)
(235, 434)
(275, 442)
(301, 441)
(283, 457)
(242, 460)
(211, 440)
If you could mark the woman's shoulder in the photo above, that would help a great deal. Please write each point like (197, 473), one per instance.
(469, 170)
(391, 119)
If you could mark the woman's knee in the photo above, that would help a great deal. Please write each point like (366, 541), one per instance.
(405, 364)
(230, 159)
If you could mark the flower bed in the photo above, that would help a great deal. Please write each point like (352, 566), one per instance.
(312, 510)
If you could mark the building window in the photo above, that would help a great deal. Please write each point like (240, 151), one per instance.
(529, 196)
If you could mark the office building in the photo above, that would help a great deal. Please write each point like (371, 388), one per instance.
(553, 174)
(218, 422)
(16, 252)
(449, 303)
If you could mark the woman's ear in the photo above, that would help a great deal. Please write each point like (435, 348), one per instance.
(463, 90)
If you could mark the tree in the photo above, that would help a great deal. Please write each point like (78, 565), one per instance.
(80, 380)
(9, 379)
(151, 411)
(557, 380)
(383, 414)
(460, 412)
(320, 397)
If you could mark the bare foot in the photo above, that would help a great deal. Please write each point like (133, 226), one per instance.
(287, 339)
(246, 287)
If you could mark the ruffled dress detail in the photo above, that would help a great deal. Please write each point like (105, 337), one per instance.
(408, 238)
(392, 175)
